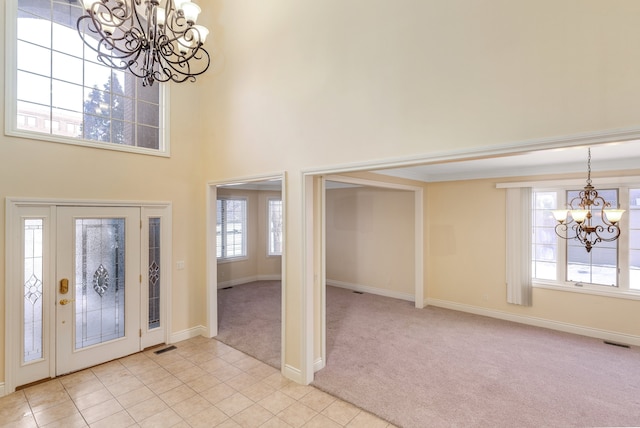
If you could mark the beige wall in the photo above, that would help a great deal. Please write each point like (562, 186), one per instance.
(370, 239)
(466, 263)
(257, 264)
(45, 170)
(303, 86)
(39, 169)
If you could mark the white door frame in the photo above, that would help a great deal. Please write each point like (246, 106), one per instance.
(212, 264)
(315, 251)
(12, 328)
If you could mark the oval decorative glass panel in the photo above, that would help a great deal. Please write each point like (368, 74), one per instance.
(101, 280)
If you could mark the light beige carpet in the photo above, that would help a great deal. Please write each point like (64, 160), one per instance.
(435, 367)
(249, 319)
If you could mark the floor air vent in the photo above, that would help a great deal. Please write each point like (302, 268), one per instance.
(162, 351)
(358, 292)
(226, 288)
(622, 345)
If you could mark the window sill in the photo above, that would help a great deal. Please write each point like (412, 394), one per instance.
(590, 289)
(39, 136)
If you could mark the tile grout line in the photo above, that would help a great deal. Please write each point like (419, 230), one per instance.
(194, 355)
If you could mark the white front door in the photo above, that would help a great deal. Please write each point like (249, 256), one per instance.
(85, 285)
(98, 285)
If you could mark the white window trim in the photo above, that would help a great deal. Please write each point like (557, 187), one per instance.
(10, 127)
(576, 184)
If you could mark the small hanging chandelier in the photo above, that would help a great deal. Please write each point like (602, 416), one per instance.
(156, 40)
(584, 228)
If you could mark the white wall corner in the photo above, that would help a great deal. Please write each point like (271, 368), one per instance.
(371, 290)
(237, 281)
(272, 277)
(248, 279)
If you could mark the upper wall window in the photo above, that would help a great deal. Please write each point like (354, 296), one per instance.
(58, 91)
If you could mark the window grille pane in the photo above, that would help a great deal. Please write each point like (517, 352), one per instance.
(67, 96)
(32, 280)
(275, 227)
(544, 240)
(231, 228)
(235, 226)
(34, 88)
(219, 228)
(148, 137)
(34, 25)
(33, 58)
(70, 122)
(67, 68)
(154, 273)
(148, 114)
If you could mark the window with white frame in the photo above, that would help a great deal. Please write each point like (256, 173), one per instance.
(274, 208)
(613, 266)
(231, 228)
(65, 93)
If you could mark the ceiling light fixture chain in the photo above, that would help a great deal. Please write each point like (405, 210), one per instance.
(156, 40)
(586, 229)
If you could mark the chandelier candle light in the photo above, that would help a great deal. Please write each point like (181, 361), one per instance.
(584, 230)
(156, 40)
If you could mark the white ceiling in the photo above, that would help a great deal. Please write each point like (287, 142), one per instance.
(604, 157)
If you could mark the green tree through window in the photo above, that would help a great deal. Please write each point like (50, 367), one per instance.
(104, 114)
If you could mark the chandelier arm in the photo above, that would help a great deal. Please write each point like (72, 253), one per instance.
(129, 35)
(172, 70)
(115, 52)
(561, 230)
(613, 229)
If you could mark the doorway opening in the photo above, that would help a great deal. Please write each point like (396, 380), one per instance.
(246, 248)
(345, 219)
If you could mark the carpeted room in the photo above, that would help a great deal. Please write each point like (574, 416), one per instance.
(450, 368)
(408, 365)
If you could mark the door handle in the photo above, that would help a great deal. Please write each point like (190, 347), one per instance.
(64, 286)
(66, 301)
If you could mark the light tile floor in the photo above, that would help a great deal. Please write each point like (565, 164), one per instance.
(202, 383)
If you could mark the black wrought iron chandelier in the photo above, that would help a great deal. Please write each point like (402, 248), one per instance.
(156, 40)
(582, 226)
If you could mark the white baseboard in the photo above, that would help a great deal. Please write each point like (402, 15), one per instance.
(293, 374)
(612, 336)
(372, 290)
(245, 280)
(318, 365)
(188, 334)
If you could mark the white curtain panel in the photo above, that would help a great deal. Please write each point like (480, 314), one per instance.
(519, 246)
